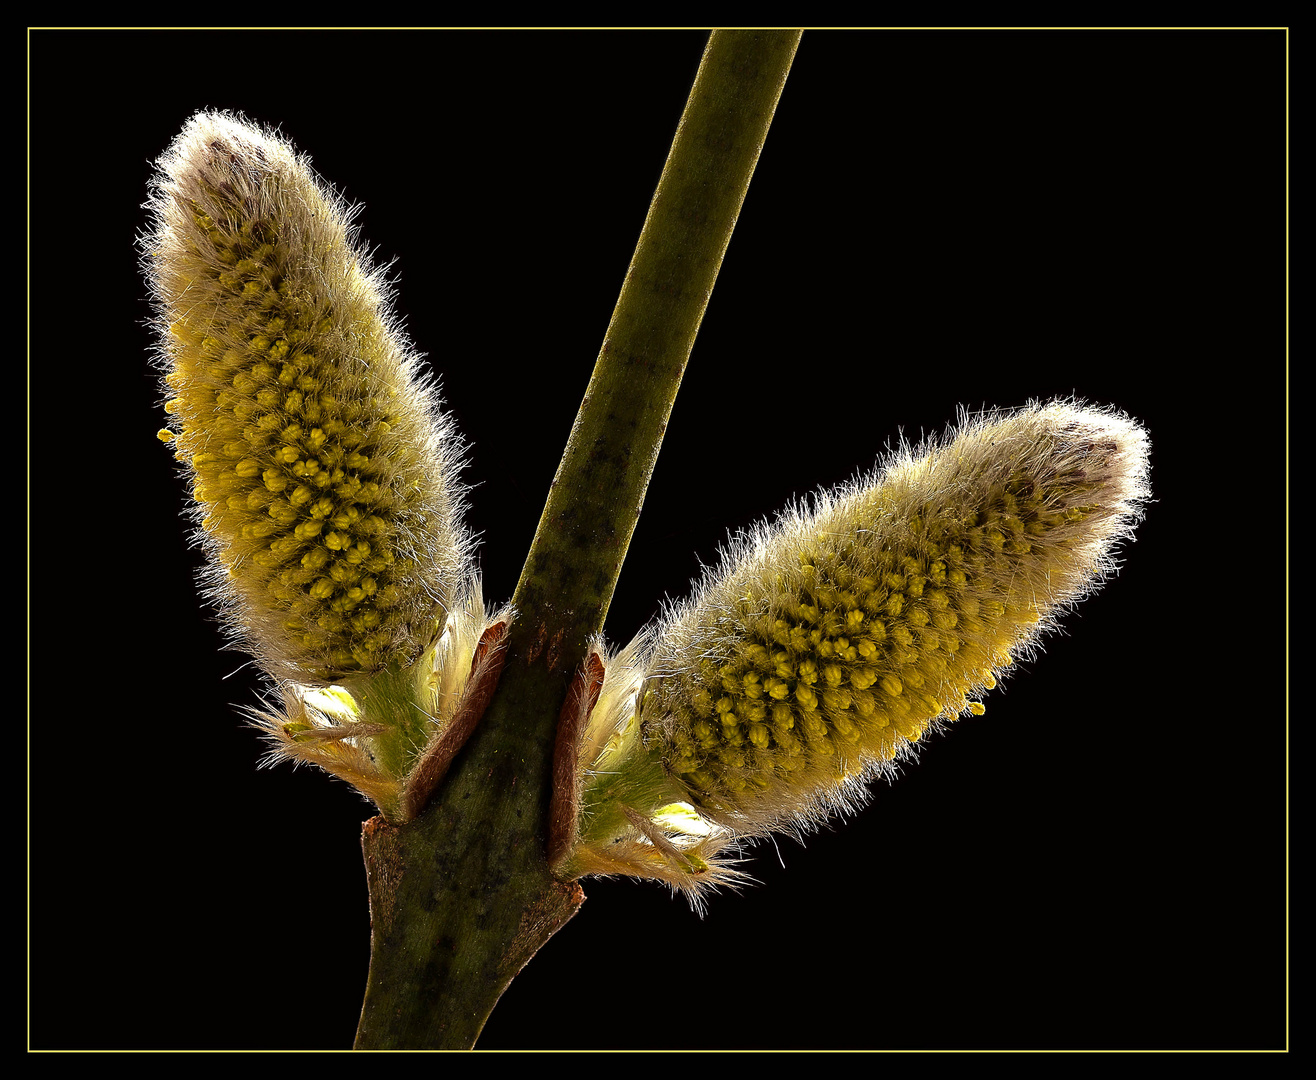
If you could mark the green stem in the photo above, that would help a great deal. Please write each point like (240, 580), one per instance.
(462, 897)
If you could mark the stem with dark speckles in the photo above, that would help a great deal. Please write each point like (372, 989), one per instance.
(462, 896)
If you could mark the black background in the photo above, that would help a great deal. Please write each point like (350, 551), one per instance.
(938, 218)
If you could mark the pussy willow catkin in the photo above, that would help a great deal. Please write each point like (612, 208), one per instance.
(828, 643)
(321, 467)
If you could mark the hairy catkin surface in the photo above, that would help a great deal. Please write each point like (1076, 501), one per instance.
(832, 640)
(323, 472)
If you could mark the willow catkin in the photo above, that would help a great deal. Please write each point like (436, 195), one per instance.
(828, 643)
(831, 641)
(322, 470)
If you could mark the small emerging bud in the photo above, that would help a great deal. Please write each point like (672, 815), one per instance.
(830, 643)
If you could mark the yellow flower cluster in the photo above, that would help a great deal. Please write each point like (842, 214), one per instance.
(830, 642)
(321, 466)
(835, 639)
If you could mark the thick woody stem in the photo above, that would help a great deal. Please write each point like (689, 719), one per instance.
(463, 896)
